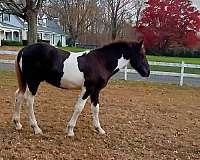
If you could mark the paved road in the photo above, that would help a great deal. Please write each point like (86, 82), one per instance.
(8, 52)
(134, 76)
(7, 66)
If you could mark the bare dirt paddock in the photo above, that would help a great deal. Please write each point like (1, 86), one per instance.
(142, 121)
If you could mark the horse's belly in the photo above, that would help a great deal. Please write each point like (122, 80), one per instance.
(71, 83)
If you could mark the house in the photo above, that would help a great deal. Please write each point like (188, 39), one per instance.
(14, 28)
(10, 27)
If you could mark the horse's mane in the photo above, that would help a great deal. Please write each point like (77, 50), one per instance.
(116, 44)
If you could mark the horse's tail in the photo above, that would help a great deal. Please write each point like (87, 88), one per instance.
(20, 77)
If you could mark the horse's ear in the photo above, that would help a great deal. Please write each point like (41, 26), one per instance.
(140, 43)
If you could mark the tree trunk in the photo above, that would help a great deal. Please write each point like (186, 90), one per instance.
(114, 30)
(32, 27)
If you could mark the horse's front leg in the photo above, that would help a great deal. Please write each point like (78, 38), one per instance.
(95, 112)
(77, 110)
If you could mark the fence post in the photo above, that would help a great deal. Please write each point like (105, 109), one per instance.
(182, 73)
(125, 73)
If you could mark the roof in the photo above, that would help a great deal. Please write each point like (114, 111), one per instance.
(9, 26)
(52, 26)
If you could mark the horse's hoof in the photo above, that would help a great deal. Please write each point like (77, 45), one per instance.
(38, 131)
(69, 131)
(100, 131)
(17, 124)
(70, 134)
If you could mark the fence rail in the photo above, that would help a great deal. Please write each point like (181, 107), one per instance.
(181, 65)
(5, 61)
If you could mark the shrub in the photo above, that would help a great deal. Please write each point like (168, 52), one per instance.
(11, 43)
(175, 52)
(59, 44)
(45, 41)
(24, 42)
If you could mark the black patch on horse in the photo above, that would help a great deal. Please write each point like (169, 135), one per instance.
(42, 62)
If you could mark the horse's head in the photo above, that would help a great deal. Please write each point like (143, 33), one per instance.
(138, 59)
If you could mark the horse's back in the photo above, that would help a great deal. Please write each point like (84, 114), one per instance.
(41, 62)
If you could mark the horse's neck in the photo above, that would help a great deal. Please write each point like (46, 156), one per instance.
(122, 63)
(111, 57)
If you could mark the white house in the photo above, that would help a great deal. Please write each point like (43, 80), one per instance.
(14, 28)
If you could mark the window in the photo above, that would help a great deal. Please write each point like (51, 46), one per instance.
(46, 36)
(1, 16)
(6, 17)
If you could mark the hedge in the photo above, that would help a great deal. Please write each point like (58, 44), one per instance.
(25, 42)
(175, 52)
(11, 43)
(17, 43)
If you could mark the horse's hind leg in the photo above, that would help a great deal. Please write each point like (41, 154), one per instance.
(19, 97)
(31, 115)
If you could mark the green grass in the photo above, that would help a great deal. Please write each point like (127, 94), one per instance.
(73, 49)
(174, 59)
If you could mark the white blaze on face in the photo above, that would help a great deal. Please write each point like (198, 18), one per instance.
(72, 77)
(122, 63)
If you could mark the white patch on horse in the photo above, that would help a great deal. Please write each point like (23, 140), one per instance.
(122, 62)
(77, 110)
(72, 77)
(96, 122)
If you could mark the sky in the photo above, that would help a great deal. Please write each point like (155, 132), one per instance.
(196, 3)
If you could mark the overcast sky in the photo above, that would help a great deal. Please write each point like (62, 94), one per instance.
(196, 3)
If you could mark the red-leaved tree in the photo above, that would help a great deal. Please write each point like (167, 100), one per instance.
(169, 23)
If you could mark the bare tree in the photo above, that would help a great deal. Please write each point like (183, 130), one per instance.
(27, 10)
(76, 16)
(117, 12)
(96, 21)
(138, 6)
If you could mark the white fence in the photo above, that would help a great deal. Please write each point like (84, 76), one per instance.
(5, 61)
(181, 74)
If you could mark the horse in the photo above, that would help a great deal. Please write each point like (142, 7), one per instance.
(89, 71)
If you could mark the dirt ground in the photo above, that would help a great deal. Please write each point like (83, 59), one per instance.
(10, 48)
(142, 122)
(7, 56)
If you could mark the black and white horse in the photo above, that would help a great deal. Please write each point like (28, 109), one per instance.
(89, 71)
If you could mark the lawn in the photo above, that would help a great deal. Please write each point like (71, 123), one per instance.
(73, 49)
(173, 59)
